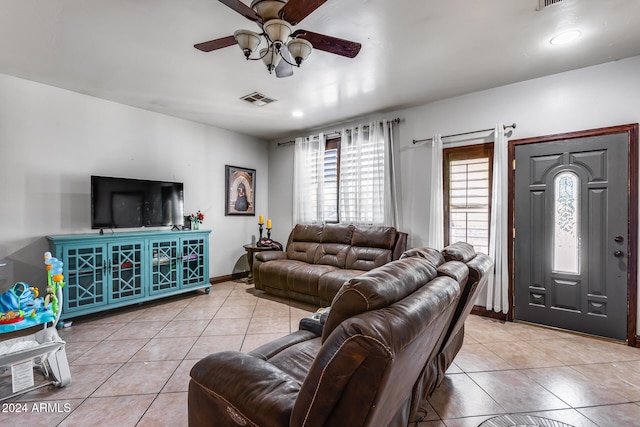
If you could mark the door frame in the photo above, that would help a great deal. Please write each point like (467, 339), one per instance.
(632, 238)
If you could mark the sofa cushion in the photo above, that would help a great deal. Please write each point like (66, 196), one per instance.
(302, 251)
(365, 259)
(306, 233)
(275, 272)
(432, 255)
(337, 233)
(331, 282)
(459, 251)
(374, 237)
(334, 254)
(378, 288)
(455, 269)
(304, 278)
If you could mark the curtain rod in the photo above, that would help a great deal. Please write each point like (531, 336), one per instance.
(512, 126)
(337, 133)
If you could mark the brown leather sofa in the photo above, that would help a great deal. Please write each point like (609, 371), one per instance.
(318, 259)
(383, 328)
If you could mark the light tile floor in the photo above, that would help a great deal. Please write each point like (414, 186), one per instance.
(130, 367)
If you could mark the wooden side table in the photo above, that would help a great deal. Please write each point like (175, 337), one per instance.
(251, 250)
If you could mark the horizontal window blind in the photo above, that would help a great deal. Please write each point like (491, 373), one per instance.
(331, 185)
(362, 181)
(468, 204)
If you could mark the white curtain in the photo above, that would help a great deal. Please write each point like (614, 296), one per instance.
(391, 216)
(308, 180)
(498, 284)
(435, 237)
(365, 176)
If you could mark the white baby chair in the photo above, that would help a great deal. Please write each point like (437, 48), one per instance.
(44, 349)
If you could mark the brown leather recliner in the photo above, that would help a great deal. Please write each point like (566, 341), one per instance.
(383, 328)
(447, 262)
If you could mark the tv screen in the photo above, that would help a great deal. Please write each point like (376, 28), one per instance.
(128, 203)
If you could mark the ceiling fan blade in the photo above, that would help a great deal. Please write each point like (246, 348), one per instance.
(242, 9)
(296, 10)
(284, 69)
(216, 44)
(329, 44)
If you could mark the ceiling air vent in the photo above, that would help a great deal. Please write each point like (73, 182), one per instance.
(546, 3)
(257, 99)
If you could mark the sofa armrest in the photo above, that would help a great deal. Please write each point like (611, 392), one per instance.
(480, 266)
(400, 245)
(270, 255)
(270, 349)
(232, 388)
(314, 322)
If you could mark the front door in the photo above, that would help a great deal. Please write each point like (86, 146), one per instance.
(571, 234)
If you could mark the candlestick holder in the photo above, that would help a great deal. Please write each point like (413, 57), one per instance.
(260, 229)
(268, 233)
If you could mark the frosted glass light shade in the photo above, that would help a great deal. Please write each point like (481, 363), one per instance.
(271, 58)
(300, 49)
(277, 30)
(247, 40)
(267, 9)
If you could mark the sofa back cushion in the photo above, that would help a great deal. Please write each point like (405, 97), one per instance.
(365, 259)
(303, 242)
(432, 255)
(334, 254)
(374, 237)
(371, 247)
(378, 288)
(337, 233)
(459, 251)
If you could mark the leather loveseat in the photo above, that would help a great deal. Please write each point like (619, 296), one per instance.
(383, 328)
(318, 259)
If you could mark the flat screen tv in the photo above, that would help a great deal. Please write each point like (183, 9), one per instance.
(129, 203)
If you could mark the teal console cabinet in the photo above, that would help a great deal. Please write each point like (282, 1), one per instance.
(113, 270)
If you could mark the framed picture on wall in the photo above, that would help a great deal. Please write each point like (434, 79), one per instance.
(240, 194)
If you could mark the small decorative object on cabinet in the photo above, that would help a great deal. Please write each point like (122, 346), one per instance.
(196, 220)
(113, 270)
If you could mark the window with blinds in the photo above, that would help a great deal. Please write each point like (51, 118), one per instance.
(331, 181)
(362, 181)
(467, 191)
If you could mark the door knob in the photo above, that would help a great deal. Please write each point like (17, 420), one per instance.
(619, 239)
(618, 254)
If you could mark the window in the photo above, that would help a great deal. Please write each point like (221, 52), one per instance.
(566, 239)
(467, 195)
(331, 171)
(341, 179)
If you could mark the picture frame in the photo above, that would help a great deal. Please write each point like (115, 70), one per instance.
(240, 191)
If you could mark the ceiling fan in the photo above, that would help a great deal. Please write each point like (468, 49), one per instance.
(285, 48)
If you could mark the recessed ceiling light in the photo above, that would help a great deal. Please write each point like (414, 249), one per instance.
(297, 113)
(565, 37)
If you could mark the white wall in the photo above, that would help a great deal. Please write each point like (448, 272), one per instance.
(51, 142)
(593, 97)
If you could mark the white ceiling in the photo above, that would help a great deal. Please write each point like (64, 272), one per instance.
(140, 53)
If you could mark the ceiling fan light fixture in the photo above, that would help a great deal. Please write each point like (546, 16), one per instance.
(248, 41)
(268, 9)
(300, 49)
(277, 30)
(271, 58)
